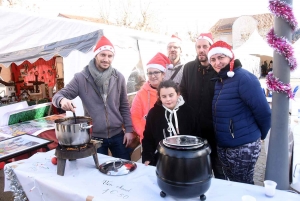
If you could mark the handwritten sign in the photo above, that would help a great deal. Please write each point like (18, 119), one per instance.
(116, 190)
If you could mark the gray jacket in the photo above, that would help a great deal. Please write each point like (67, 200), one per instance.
(170, 71)
(107, 118)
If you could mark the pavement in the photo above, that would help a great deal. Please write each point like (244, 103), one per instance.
(260, 167)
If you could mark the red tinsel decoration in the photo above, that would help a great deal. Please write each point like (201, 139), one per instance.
(282, 46)
(283, 10)
(274, 84)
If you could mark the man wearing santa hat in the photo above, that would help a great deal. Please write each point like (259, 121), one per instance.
(174, 72)
(197, 90)
(102, 90)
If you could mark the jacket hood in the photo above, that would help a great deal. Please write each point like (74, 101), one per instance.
(173, 129)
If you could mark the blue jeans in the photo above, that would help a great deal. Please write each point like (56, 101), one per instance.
(115, 145)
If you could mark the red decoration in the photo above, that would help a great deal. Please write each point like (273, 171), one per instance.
(282, 46)
(283, 10)
(39, 66)
(54, 160)
(274, 84)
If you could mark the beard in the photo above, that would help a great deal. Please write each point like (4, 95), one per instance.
(173, 57)
(203, 58)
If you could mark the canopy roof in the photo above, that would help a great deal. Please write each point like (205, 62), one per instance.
(29, 37)
(255, 45)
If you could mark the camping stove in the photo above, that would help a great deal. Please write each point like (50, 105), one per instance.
(71, 153)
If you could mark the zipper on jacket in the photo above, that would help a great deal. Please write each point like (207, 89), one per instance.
(231, 128)
(215, 107)
(106, 116)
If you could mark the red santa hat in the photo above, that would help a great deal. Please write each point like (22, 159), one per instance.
(206, 36)
(175, 39)
(221, 47)
(103, 44)
(160, 62)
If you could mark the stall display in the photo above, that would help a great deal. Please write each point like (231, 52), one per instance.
(19, 145)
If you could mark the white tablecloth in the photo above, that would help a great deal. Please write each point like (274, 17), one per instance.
(82, 181)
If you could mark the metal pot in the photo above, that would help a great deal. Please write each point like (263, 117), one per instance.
(184, 168)
(70, 134)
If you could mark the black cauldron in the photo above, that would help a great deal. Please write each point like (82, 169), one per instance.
(183, 168)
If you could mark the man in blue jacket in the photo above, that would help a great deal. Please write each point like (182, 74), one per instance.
(102, 90)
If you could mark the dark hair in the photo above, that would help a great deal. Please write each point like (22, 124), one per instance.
(167, 84)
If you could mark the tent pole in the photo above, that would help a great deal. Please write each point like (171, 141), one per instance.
(277, 159)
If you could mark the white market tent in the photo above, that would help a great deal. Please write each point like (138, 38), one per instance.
(29, 37)
(252, 51)
(25, 36)
(255, 45)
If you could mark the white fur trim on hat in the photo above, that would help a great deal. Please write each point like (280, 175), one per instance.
(175, 40)
(205, 38)
(105, 47)
(219, 50)
(157, 66)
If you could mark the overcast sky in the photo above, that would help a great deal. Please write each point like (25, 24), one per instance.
(178, 14)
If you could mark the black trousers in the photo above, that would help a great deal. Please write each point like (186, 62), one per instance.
(217, 165)
(208, 134)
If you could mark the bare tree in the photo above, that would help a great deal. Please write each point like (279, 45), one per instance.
(194, 31)
(23, 4)
(135, 14)
(105, 7)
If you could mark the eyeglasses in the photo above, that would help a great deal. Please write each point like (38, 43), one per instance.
(174, 47)
(155, 73)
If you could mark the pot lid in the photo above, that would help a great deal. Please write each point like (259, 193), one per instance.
(183, 141)
(117, 167)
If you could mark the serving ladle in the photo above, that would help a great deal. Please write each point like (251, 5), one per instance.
(74, 115)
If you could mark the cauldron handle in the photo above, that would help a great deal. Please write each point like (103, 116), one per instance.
(164, 133)
(114, 165)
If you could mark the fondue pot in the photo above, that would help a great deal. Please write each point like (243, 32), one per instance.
(69, 133)
(183, 168)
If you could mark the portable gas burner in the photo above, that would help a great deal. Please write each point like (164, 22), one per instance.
(71, 153)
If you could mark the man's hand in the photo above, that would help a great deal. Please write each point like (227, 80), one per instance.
(128, 138)
(147, 163)
(67, 105)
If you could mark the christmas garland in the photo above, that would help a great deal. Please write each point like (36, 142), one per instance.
(281, 45)
(283, 10)
(274, 84)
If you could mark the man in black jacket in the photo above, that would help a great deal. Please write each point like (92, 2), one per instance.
(197, 90)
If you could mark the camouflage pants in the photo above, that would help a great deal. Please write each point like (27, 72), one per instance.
(238, 163)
